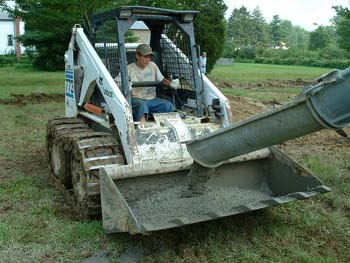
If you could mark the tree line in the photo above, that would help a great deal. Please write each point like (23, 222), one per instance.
(245, 35)
(48, 24)
(251, 38)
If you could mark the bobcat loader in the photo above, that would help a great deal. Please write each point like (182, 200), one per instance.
(182, 167)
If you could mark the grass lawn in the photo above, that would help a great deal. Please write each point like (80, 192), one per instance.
(27, 81)
(264, 82)
(36, 226)
(254, 73)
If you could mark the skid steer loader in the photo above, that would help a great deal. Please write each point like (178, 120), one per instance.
(182, 167)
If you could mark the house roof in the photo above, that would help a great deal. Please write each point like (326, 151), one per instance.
(139, 25)
(5, 16)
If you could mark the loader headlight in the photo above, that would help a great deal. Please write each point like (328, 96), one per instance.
(125, 13)
(187, 17)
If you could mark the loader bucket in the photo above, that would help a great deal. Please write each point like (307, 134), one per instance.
(162, 200)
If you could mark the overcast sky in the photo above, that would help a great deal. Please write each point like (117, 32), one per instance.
(300, 12)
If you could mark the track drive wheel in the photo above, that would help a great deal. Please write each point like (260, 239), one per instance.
(58, 145)
(88, 155)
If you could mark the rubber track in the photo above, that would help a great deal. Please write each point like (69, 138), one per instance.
(60, 125)
(90, 150)
(89, 155)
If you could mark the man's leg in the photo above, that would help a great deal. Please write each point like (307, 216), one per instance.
(139, 109)
(159, 105)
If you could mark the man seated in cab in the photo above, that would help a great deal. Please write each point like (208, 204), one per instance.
(144, 101)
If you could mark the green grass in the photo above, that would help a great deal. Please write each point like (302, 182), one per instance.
(263, 82)
(35, 226)
(263, 94)
(246, 72)
(27, 81)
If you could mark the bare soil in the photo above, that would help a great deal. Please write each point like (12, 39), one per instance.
(270, 83)
(33, 98)
(325, 141)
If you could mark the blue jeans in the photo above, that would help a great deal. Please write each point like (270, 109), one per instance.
(157, 105)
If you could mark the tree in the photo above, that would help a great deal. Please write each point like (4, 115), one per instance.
(342, 23)
(260, 36)
(275, 31)
(49, 24)
(299, 38)
(210, 28)
(239, 28)
(286, 28)
(167, 4)
(247, 33)
(320, 38)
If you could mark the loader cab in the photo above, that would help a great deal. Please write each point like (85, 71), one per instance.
(115, 35)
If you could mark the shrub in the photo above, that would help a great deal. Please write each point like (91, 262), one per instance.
(7, 60)
(329, 57)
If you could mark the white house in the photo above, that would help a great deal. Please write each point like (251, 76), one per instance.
(10, 28)
(141, 31)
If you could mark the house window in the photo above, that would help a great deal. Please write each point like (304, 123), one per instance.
(10, 40)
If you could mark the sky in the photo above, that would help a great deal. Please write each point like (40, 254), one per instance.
(308, 14)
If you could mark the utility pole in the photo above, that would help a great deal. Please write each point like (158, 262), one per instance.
(17, 33)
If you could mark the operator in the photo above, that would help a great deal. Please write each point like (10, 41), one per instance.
(144, 101)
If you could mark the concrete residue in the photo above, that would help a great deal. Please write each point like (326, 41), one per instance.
(197, 178)
(171, 204)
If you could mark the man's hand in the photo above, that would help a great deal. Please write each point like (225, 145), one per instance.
(166, 82)
(175, 84)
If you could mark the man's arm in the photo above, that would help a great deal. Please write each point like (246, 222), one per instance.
(159, 76)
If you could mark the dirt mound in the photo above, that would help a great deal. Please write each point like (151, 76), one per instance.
(270, 83)
(326, 141)
(243, 108)
(33, 98)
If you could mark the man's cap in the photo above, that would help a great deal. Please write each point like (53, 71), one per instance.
(144, 49)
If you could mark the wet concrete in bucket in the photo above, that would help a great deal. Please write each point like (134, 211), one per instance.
(173, 203)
